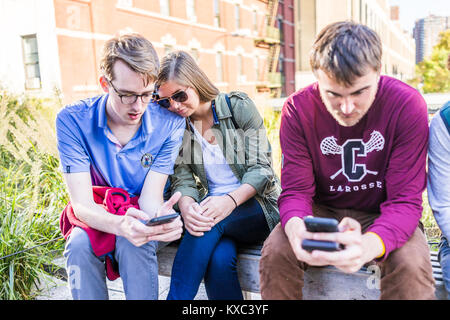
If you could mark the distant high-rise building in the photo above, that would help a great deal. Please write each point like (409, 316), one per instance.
(426, 34)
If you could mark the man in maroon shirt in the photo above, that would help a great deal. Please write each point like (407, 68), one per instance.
(354, 148)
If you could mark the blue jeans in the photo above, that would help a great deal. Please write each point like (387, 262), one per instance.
(87, 274)
(213, 256)
(444, 258)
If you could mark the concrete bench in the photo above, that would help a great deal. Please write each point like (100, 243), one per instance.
(321, 283)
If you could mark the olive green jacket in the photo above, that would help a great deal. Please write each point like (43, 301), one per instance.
(246, 150)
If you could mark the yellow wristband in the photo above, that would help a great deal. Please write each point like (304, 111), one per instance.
(382, 243)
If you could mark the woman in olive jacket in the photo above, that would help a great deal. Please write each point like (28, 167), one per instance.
(224, 172)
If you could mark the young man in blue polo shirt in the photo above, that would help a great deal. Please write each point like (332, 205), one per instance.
(121, 140)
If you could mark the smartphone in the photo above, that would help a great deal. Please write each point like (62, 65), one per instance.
(315, 224)
(162, 219)
(310, 245)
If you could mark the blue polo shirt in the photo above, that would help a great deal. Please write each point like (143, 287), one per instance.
(86, 144)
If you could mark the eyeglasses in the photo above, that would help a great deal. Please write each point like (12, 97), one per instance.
(132, 98)
(179, 96)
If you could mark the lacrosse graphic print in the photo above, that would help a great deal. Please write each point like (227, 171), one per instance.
(350, 151)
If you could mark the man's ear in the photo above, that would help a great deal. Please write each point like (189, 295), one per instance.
(104, 84)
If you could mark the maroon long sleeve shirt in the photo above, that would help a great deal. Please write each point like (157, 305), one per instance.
(377, 165)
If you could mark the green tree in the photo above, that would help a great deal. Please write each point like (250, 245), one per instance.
(433, 72)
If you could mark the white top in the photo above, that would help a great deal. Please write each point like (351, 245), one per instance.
(221, 180)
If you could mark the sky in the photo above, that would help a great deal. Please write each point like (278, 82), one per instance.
(411, 10)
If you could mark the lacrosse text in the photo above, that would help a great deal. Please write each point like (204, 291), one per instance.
(355, 188)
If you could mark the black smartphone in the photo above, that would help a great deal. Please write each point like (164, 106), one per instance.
(316, 224)
(310, 245)
(162, 219)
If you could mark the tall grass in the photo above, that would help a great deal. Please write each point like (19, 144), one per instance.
(32, 193)
(272, 120)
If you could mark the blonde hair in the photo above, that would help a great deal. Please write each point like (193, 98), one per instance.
(133, 49)
(180, 67)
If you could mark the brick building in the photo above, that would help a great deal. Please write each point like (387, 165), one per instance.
(286, 63)
(55, 45)
(257, 46)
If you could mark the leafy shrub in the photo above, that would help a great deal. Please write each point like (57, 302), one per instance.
(32, 193)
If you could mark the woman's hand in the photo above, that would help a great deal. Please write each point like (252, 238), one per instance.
(194, 221)
(217, 207)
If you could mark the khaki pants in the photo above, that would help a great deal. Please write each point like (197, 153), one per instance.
(406, 273)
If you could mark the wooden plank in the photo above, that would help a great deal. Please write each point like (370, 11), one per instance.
(166, 256)
(328, 283)
(320, 282)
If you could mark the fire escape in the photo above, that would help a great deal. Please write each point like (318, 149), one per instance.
(269, 38)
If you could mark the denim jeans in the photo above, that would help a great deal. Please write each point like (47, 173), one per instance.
(138, 269)
(213, 256)
(444, 258)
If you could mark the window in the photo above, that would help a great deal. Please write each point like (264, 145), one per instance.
(366, 17)
(165, 7)
(281, 64)
(194, 54)
(31, 62)
(240, 67)
(280, 27)
(360, 11)
(394, 70)
(237, 15)
(256, 65)
(167, 49)
(219, 66)
(255, 21)
(190, 10)
(217, 13)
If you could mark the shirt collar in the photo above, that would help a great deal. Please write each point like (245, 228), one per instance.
(102, 121)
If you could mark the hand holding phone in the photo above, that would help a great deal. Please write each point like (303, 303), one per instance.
(316, 224)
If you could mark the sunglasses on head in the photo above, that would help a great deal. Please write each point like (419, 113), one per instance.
(179, 96)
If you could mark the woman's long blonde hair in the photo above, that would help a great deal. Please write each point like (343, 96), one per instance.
(180, 67)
